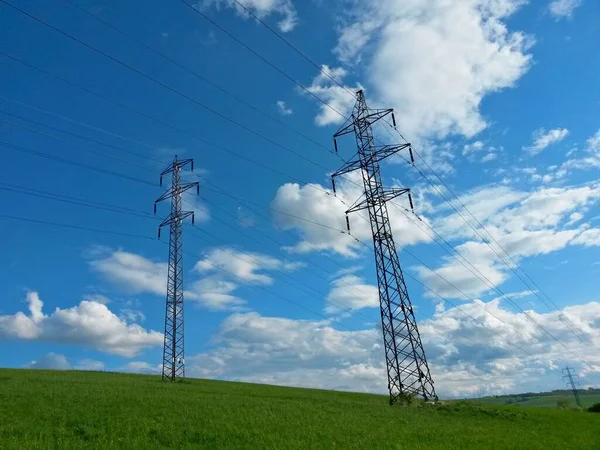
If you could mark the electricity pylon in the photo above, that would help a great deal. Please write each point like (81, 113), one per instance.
(407, 369)
(571, 383)
(173, 350)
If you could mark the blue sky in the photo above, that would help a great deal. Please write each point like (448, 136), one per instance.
(499, 97)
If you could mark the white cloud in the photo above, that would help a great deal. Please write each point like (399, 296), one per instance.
(434, 60)
(90, 364)
(525, 224)
(223, 269)
(340, 99)
(215, 293)
(464, 356)
(593, 143)
(588, 238)
(472, 148)
(350, 293)
(489, 157)
(51, 361)
(542, 139)
(244, 266)
(262, 9)
(307, 208)
(141, 367)
(563, 8)
(283, 109)
(89, 324)
(132, 272)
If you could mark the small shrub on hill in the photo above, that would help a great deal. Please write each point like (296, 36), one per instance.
(563, 403)
(594, 408)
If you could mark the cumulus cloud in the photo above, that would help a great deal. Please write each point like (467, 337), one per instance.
(350, 293)
(472, 148)
(525, 224)
(339, 100)
(51, 361)
(434, 61)
(89, 324)
(466, 354)
(563, 8)
(244, 266)
(260, 8)
(140, 367)
(223, 271)
(542, 139)
(132, 272)
(319, 218)
(283, 109)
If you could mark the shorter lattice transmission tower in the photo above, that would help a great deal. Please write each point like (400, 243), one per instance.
(173, 351)
(570, 373)
(407, 368)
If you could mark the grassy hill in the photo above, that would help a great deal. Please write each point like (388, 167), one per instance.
(543, 399)
(46, 409)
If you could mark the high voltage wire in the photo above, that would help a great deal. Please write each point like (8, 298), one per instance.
(148, 116)
(510, 300)
(197, 75)
(108, 155)
(454, 253)
(124, 63)
(146, 237)
(486, 241)
(76, 122)
(511, 267)
(39, 154)
(333, 79)
(164, 85)
(447, 281)
(71, 226)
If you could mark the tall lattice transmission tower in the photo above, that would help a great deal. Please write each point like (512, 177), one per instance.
(173, 351)
(407, 369)
(570, 373)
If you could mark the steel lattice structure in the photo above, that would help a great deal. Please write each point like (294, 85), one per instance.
(407, 369)
(173, 351)
(572, 383)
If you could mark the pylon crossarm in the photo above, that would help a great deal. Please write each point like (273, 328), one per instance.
(349, 166)
(386, 151)
(177, 164)
(170, 219)
(347, 128)
(391, 194)
(377, 114)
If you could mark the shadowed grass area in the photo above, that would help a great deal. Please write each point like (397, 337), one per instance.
(46, 409)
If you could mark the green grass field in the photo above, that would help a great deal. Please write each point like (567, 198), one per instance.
(64, 410)
(544, 401)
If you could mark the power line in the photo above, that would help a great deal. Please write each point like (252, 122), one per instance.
(73, 200)
(148, 116)
(164, 85)
(200, 77)
(71, 226)
(296, 49)
(73, 163)
(76, 122)
(303, 55)
(116, 158)
(258, 55)
(87, 45)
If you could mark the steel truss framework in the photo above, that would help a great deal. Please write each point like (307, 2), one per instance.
(173, 351)
(407, 369)
(570, 373)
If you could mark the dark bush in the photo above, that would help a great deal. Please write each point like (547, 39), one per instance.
(594, 408)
